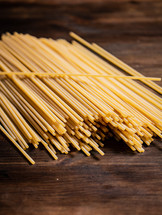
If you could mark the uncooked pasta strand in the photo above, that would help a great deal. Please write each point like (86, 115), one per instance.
(77, 75)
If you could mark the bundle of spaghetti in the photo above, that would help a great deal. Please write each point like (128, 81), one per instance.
(61, 94)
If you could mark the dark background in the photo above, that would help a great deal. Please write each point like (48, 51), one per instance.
(121, 182)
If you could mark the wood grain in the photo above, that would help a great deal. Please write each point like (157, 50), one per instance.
(121, 182)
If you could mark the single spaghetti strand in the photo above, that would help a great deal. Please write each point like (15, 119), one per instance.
(77, 75)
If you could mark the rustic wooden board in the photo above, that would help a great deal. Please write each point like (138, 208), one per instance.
(121, 182)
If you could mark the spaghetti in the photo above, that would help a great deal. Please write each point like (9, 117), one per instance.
(62, 95)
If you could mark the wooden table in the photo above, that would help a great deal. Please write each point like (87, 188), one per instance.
(121, 182)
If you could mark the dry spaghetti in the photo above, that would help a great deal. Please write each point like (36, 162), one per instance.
(61, 94)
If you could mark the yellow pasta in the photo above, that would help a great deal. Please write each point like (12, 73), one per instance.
(61, 95)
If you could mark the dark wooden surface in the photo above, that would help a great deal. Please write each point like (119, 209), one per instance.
(121, 182)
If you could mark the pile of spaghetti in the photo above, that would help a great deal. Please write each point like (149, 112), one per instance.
(76, 94)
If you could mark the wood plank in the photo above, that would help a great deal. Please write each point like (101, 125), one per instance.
(121, 182)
